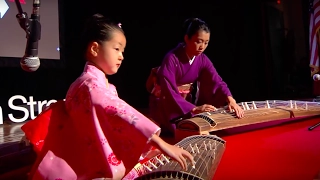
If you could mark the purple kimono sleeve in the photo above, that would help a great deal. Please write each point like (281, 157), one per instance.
(210, 81)
(175, 105)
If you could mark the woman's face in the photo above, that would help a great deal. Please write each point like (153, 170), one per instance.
(197, 43)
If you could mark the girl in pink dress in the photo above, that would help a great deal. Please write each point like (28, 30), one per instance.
(94, 133)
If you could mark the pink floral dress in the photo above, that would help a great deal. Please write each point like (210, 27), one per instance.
(92, 134)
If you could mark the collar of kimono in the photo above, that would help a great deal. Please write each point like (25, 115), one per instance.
(97, 72)
(190, 59)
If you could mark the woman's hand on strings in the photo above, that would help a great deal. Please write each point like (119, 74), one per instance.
(203, 108)
(176, 153)
(233, 106)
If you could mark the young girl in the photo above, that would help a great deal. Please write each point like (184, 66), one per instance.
(95, 134)
(181, 67)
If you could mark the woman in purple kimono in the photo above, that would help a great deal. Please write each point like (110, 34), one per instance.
(181, 67)
(94, 133)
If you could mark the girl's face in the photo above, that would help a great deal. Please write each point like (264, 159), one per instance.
(108, 55)
(197, 43)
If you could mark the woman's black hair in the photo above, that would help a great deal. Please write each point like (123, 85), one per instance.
(193, 25)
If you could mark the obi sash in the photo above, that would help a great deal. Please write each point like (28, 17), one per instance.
(154, 89)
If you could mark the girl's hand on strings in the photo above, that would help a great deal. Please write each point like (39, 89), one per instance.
(176, 153)
(152, 153)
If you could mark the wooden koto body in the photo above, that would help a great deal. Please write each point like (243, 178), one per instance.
(207, 151)
(255, 113)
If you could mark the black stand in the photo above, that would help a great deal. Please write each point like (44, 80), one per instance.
(317, 99)
(314, 126)
(23, 19)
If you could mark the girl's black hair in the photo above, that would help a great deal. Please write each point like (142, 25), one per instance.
(98, 29)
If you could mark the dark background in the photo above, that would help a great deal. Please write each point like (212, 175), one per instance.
(249, 47)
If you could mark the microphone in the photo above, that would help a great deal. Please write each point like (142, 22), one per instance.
(30, 61)
(316, 77)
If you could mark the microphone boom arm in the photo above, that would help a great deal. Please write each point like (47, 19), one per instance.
(23, 19)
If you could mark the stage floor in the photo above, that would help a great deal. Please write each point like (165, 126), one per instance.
(10, 133)
(15, 157)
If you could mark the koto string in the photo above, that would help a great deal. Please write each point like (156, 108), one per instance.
(203, 155)
(214, 157)
(198, 154)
